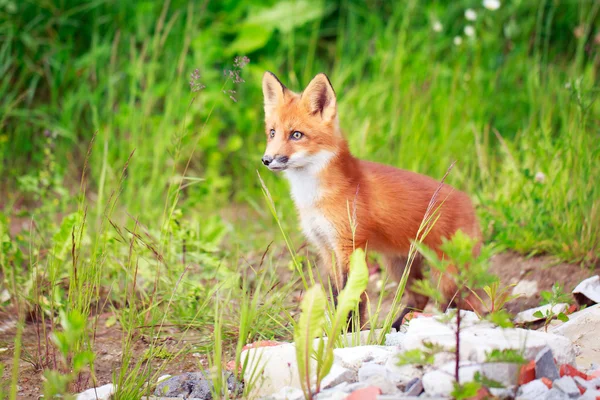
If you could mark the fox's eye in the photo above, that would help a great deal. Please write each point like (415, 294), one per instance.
(297, 135)
(272, 133)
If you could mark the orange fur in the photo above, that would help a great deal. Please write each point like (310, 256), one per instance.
(389, 203)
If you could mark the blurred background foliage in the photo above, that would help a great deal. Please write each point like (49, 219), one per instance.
(509, 94)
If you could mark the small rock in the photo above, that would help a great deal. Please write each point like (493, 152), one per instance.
(403, 374)
(338, 375)
(527, 315)
(582, 329)
(331, 394)
(555, 394)
(545, 365)
(100, 393)
(441, 382)
(567, 385)
(533, 390)
(383, 383)
(271, 368)
(480, 339)
(414, 387)
(394, 339)
(162, 378)
(370, 369)
(354, 357)
(194, 385)
(590, 395)
(588, 291)
(503, 393)
(525, 288)
(584, 383)
(505, 373)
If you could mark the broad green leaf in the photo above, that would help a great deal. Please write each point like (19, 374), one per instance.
(563, 317)
(538, 314)
(358, 278)
(288, 15)
(309, 326)
(62, 240)
(465, 390)
(250, 37)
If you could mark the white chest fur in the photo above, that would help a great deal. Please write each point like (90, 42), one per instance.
(306, 191)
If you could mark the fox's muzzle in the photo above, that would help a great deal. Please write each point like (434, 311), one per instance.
(275, 163)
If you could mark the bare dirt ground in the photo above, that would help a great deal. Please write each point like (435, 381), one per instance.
(510, 267)
(108, 345)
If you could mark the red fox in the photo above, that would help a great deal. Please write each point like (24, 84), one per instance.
(305, 142)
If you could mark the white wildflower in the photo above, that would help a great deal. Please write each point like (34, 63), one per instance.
(491, 4)
(469, 31)
(457, 40)
(470, 14)
(540, 177)
(437, 26)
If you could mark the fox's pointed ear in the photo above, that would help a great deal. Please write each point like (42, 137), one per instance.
(319, 97)
(273, 92)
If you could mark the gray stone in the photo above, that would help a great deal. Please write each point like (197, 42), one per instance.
(567, 385)
(104, 392)
(370, 369)
(338, 375)
(505, 373)
(394, 339)
(555, 394)
(414, 387)
(163, 378)
(545, 367)
(588, 291)
(547, 309)
(194, 385)
(533, 390)
(403, 374)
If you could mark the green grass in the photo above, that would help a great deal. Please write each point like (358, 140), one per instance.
(169, 225)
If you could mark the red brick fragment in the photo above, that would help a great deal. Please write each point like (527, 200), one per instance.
(368, 393)
(261, 343)
(415, 314)
(569, 370)
(572, 308)
(547, 382)
(482, 394)
(230, 366)
(594, 374)
(527, 373)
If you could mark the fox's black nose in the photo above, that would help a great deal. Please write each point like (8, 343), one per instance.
(267, 160)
